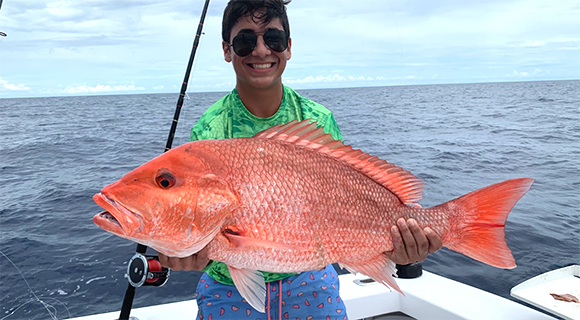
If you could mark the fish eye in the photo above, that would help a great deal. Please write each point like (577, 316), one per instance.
(165, 180)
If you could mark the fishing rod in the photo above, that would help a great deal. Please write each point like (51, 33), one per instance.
(142, 269)
(2, 34)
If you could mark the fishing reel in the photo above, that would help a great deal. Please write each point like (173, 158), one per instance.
(146, 270)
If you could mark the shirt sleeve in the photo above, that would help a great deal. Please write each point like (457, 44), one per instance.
(213, 123)
(193, 136)
(331, 127)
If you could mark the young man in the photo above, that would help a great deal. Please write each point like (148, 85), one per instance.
(256, 40)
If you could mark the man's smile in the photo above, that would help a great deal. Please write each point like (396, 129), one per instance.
(261, 65)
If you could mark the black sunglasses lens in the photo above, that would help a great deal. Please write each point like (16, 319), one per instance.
(244, 44)
(276, 40)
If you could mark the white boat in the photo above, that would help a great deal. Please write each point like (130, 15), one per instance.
(539, 291)
(428, 297)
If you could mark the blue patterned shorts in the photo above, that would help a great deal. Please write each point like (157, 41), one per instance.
(304, 296)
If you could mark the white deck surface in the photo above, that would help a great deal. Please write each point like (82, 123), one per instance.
(427, 297)
(536, 291)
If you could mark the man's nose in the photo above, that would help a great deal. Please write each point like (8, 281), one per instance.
(261, 49)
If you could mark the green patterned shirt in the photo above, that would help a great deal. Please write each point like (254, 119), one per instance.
(229, 118)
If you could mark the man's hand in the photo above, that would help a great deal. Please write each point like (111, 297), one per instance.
(411, 243)
(195, 262)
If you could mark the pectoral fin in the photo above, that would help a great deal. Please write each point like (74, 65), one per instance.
(240, 241)
(251, 285)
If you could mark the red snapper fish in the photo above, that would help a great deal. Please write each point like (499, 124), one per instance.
(293, 199)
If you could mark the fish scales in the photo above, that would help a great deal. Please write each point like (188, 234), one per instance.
(293, 195)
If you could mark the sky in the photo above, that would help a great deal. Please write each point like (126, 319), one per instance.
(95, 47)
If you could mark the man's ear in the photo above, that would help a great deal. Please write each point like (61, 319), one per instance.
(227, 52)
(289, 46)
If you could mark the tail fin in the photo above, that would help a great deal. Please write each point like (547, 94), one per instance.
(479, 218)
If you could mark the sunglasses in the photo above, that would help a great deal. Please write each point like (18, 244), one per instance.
(245, 43)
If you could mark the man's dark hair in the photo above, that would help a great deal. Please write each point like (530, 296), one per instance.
(272, 9)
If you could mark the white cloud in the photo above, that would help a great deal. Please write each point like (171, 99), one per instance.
(535, 43)
(330, 78)
(63, 9)
(68, 43)
(101, 88)
(12, 87)
(518, 74)
(221, 86)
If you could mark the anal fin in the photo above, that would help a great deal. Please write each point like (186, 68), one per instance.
(380, 269)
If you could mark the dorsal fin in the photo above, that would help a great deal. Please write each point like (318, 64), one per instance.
(407, 187)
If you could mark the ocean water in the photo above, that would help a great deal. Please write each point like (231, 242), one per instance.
(55, 153)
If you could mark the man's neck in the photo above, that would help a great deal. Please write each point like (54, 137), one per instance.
(263, 103)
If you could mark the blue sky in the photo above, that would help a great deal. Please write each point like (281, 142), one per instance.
(84, 47)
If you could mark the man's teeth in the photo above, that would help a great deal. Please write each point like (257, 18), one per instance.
(261, 66)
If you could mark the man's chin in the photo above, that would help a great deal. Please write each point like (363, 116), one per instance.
(263, 83)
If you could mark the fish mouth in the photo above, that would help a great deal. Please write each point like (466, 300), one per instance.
(108, 222)
(116, 218)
